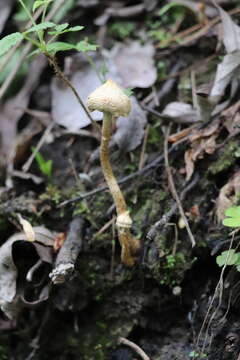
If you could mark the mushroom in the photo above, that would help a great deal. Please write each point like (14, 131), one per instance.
(111, 100)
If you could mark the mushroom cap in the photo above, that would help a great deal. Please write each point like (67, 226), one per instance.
(110, 98)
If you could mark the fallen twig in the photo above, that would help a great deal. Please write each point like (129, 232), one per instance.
(166, 217)
(144, 170)
(68, 253)
(173, 188)
(135, 347)
(144, 145)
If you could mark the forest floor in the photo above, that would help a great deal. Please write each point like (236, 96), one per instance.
(64, 292)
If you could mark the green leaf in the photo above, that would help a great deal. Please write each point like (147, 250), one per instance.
(39, 3)
(59, 28)
(84, 46)
(34, 52)
(128, 91)
(233, 219)
(228, 257)
(44, 166)
(62, 29)
(54, 47)
(76, 28)
(9, 41)
(11, 64)
(233, 211)
(231, 222)
(41, 26)
(194, 354)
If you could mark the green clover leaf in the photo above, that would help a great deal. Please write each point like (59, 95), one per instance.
(233, 217)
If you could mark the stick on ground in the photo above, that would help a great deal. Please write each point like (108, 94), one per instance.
(68, 253)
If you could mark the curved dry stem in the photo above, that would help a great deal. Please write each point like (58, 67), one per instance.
(129, 244)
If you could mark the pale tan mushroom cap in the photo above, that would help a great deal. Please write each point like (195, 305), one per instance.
(110, 98)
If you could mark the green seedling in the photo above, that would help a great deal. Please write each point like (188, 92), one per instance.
(197, 355)
(230, 257)
(233, 217)
(43, 36)
(45, 166)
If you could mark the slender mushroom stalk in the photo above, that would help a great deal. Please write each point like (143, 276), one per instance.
(112, 101)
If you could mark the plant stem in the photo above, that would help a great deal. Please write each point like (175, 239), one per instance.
(28, 13)
(62, 76)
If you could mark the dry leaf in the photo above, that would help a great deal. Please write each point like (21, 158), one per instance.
(13, 110)
(182, 112)
(227, 196)
(231, 118)
(231, 32)
(180, 135)
(228, 69)
(130, 130)
(9, 271)
(135, 65)
(189, 163)
(66, 110)
(27, 228)
(202, 141)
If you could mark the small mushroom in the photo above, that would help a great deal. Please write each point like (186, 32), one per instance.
(111, 100)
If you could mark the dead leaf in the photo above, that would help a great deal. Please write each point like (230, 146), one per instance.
(9, 271)
(27, 228)
(189, 163)
(66, 110)
(227, 196)
(130, 130)
(180, 135)
(13, 110)
(228, 69)
(231, 32)
(231, 118)
(202, 141)
(181, 111)
(135, 65)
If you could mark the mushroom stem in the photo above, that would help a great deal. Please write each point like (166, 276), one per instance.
(106, 166)
(129, 244)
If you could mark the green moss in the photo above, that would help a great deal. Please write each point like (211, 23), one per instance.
(170, 269)
(122, 29)
(155, 134)
(225, 159)
(52, 193)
